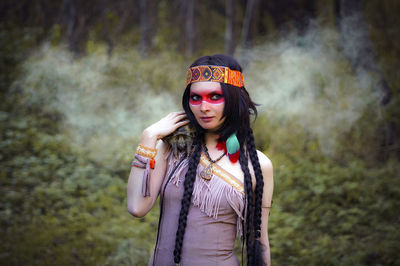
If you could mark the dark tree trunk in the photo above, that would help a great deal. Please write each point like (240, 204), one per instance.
(122, 21)
(76, 22)
(70, 12)
(308, 12)
(153, 20)
(190, 28)
(229, 30)
(247, 23)
(182, 25)
(144, 28)
(248, 31)
(291, 14)
(106, 28)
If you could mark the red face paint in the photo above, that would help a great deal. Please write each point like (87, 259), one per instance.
(212, 97)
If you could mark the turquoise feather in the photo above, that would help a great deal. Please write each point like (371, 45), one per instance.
(232, 144)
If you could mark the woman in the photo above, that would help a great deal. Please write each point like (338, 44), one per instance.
(219, 189)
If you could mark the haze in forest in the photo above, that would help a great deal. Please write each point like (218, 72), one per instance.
(305, 78)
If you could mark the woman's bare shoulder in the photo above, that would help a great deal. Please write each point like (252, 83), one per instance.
(268, 177)
(265, 162)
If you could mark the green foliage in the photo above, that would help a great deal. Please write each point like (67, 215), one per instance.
(15, 44)
(57, 206)
(329, 214)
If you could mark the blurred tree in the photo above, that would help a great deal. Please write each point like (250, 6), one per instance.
(77, 24)
(229, 28)
(148, 24)
(291, 14)
(107, 32)
(190, 27)
(325, 13)
(144, 28)
(248, 29)
(186, 21)
(249, 22)
(70, 14)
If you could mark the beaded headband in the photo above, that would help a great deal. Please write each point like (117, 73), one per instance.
(215, 73)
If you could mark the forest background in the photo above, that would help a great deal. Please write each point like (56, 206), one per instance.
(80, 80)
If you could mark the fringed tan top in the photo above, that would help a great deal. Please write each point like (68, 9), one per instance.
(214, 218)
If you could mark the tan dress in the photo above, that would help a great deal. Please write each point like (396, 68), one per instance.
(214, 218)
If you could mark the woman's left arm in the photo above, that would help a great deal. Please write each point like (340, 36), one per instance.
(267, 171)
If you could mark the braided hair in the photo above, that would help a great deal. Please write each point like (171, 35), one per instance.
(186, 199)
(256, 233)
(237, 111)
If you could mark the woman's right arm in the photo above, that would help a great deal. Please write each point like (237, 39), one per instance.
(138, 204)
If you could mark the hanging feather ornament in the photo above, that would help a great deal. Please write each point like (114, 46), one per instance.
(221, 146)
(233, 148)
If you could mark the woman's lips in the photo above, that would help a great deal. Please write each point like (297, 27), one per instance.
(206, 118)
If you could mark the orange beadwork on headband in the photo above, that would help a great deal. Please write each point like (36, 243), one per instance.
(215, 73)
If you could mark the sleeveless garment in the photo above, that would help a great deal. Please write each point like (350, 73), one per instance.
(214, 218)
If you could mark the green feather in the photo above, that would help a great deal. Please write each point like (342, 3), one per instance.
(232, 144)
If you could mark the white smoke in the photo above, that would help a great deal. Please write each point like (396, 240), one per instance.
(309, 80)
(104, 112)
(107, 102)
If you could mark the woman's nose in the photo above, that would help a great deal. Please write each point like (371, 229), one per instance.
(204, 106)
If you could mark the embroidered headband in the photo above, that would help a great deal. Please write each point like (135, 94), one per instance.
(215, 73)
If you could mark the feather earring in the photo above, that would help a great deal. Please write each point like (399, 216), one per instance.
(233, 148)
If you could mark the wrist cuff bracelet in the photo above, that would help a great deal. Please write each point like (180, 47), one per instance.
(146, 151)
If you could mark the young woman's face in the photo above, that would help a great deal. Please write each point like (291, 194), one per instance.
(207, 103)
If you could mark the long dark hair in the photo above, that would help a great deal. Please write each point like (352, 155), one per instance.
(237, 111)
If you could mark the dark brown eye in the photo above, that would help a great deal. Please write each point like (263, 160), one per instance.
(216, 97)
(195, 97)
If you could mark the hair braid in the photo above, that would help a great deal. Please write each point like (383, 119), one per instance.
(190, 178)
(243, 160)
(257, 249)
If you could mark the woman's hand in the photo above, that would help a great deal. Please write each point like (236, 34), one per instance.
(164, 127)
(137, 204)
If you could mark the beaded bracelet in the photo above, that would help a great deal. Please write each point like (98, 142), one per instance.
(141, 161)
(146, 151)
(146, 163)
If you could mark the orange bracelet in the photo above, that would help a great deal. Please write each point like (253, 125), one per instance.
(146, 151)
